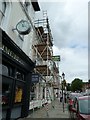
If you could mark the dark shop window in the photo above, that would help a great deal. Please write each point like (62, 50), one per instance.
(5, 93)
(11, 71)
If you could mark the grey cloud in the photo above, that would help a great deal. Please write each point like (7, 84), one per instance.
(69, 26)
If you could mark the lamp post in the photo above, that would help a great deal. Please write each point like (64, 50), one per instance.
(60, 80)
(63, 77)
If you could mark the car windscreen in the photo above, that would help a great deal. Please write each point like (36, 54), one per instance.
(84, 106)
(74, 95)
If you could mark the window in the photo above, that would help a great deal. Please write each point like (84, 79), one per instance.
(26, 4)
(2, 10)
(11, 71)
(19, 75)
(5, 93)
(32, 92)
(4, 70)
(18, 94)
(84, 106)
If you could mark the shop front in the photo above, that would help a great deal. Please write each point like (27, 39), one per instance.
(16, 75)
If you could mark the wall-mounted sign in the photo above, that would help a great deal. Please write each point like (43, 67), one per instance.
(12, 54)
(35, 78)
(23, 27)
(56, 58)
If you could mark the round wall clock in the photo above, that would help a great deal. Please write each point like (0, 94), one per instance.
(23, 27)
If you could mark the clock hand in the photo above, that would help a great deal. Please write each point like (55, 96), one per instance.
(22, 25)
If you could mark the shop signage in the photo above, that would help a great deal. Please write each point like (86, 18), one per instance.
(12, 54)
(56, 58)
(35, 78)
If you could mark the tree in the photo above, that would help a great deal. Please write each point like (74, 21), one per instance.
(76, 85)
(68, 87)
(63, 84)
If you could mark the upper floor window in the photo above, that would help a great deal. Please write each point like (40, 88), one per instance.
(3, 8)
(26, 4)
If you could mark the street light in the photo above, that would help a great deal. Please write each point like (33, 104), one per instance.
(63, 76)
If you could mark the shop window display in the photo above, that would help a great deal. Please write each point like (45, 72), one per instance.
(18, 94)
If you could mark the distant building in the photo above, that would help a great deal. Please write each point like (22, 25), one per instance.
(86, 85)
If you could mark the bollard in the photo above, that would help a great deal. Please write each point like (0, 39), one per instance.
(47, 110)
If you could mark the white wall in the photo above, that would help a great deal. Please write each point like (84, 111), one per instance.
(14, 13)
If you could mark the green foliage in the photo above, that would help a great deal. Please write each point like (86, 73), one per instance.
(64, 82)
(68, 87)
(76, 85)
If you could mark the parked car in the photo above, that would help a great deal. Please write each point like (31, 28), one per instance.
(81, 108)
(72, 97)
(85, 93)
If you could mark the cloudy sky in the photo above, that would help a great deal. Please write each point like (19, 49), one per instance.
(69, 25)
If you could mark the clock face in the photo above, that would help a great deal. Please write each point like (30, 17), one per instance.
(23, 27)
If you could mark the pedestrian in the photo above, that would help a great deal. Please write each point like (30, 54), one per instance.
(70, 103)
(65, 97)
(61, 97)
(57, 94)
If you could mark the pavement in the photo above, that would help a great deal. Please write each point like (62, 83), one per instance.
(52, 110)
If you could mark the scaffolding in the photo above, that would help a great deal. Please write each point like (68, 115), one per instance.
(44, 52)
(43, 48)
